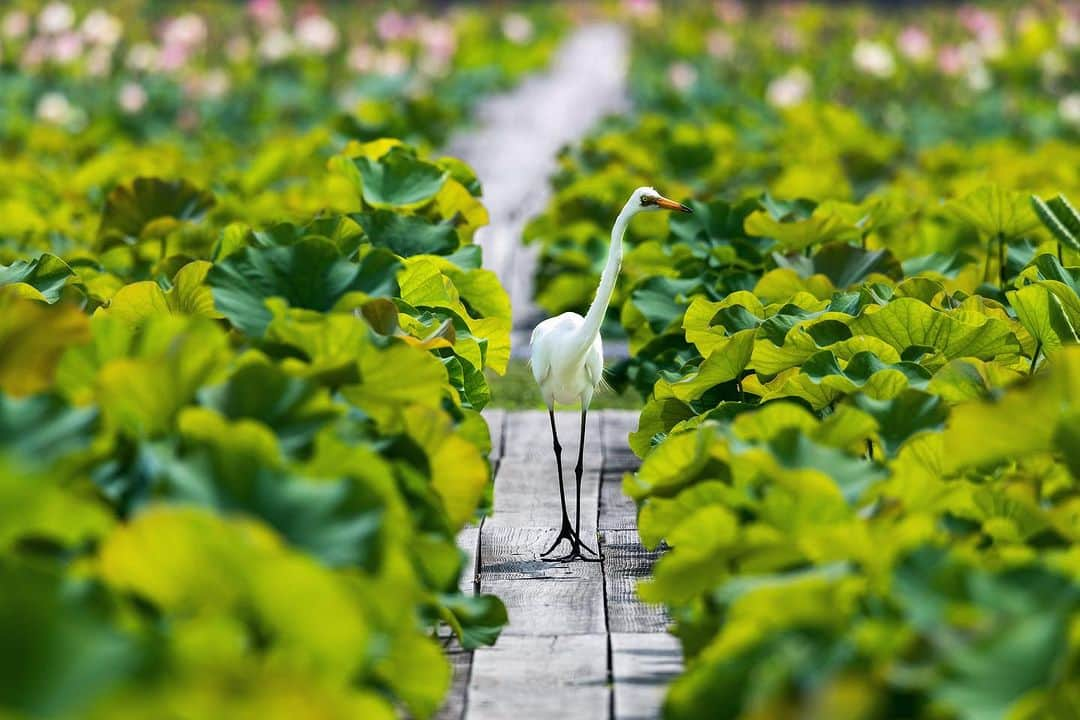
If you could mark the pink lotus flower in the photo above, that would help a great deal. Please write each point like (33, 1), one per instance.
(66, 48)
(392, 25)
(789, 89)
(720, 45)
(132, 98)
(682, 76)
(16, 24)
(360, 58)
(56, 17)
(266, 13)
(914, 43)
(517, 28)
(101, 28)
(316, 34)
(950, 60)
(873, 58)
(642, 9)
(730, 11)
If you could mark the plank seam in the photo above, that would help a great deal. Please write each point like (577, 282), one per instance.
(603, 571)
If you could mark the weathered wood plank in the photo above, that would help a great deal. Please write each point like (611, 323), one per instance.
(625, 563)
(617, 426)
(547, 607)
(642, 666)
(528, 437)
(539, 678)
(514, 553)
(461, 662)
(467, 541)
(617, 510)
(527, 485)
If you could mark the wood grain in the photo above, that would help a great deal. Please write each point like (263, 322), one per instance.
(626, 562)
(642, 666)
(540, 678)
(461, 662)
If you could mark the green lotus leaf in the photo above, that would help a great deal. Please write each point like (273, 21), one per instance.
(846, 265)
(907, 322)
(189, 295)
(419, 673)
(407, 235)
(463, 174)
(186, 561)
(293, 408)
(663, 301)
(903, 416)
(40, 510)
(146, 203)
(309, 274)
(726, 363)
(399, 179)
(33, 337)
(42, 428)
(459, 473)
(658, 417)
(702, 541)
(1042, 314)
(1060, 217)
(1020, 422)
(477, 620)
(708, 324)
(47, 275)
(679, 461)
(852, 476)
(71, 654)
(822, 226)
(970, 379)
(143, 393)
(236, 467)
(995, 212)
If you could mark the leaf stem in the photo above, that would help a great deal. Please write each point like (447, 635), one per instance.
(1001, 260)
(1035, 357)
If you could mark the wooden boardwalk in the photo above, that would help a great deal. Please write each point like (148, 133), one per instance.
(579, 643)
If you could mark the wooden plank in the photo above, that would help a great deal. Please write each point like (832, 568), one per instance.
(467, 541)
(546, 607)
(461, 661)
(642, 666)
(539, 678)
(527, 486)
(617, 510)
(514, 554)
(625, 563)
(541, 598)
(617, 426)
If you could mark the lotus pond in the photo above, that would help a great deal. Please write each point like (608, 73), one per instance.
(227, 232)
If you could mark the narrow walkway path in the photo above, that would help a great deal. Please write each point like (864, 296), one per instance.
(579, 643)
(514, 146)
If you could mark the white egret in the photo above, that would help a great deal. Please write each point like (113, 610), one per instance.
(568, 359)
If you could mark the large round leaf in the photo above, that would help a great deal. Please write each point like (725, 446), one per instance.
(310, 274)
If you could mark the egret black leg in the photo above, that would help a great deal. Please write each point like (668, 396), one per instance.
(566, 532)
(576, 545)
(579, 469)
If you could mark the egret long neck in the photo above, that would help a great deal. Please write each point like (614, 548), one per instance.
(595, 317)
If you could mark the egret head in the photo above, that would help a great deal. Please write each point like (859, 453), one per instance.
(648, 199)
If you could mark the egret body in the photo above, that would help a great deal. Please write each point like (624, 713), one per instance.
(568, 359)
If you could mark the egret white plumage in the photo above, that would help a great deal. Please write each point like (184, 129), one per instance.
(568, 359)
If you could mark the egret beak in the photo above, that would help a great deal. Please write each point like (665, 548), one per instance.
(672, 205)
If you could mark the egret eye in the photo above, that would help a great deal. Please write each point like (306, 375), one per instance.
(646, 200)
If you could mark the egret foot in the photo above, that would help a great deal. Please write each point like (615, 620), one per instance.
(576, 546)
